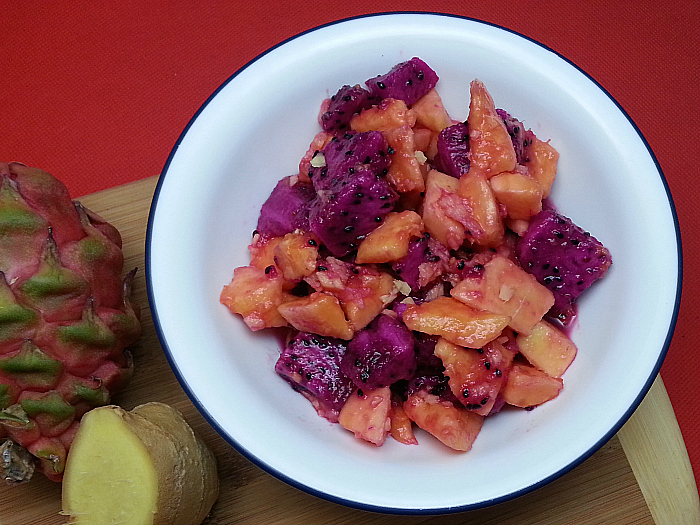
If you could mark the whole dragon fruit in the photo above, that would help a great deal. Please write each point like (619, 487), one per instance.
(66, 317)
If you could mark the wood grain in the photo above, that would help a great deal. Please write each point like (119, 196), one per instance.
(652, 439)
(602, 490)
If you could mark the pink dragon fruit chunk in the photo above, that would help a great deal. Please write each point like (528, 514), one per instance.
(348, 101)
(287, 208)
(407, 81)
(348, 152)
(426, 360)
(424, 250)
(516, 130)
(311, 364)
(380, 355)
(353, 205)
(563, 257)
(453, 150)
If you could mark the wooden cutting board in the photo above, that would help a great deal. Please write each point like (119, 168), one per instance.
(641, 476)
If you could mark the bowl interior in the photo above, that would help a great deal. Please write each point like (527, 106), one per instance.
(254, 131)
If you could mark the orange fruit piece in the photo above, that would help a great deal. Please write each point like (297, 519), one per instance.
(491, 147)
(319, 313)
(455, 321)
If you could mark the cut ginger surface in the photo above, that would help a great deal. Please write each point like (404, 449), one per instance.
(144, 467)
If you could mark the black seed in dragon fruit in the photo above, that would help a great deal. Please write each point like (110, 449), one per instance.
(311, 364)
(351, 207)
(517, 131)
(348, 101)
(287, 208)
(407, 81)
(349, 152)
(380, 355)
(453, 150)
(563, 257)
(425, 261)
(436, 384)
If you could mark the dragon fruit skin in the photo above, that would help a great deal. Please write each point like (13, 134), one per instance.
(407, 81)
(66, 316)
(453, 150)
(380, 355)
(348, 101)
(311, 364)
(286, 209)
(563, 257)
(349, 209)
(517, 133)
(348, 152)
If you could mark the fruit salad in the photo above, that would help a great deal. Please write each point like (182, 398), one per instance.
(418, 264)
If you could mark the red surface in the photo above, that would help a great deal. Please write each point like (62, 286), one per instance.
(98, 92)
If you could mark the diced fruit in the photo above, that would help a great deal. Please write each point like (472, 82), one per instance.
(541, 162)
(430, 112)
(317, 144)
(520, 194)
(455, 427)
(455, 321)
(483, 221)
(348, 101)
(421, 138)
(426, 260)
(347, 153)
(350, 209)
(390, 113)
(389, 242)
(475, 376)
(262, 250)
(441, 203)
(255, 294)
(563, 257)
(491, 146)
(296, 254)
(426, 360)
(527, 386)
(516, 130)
(319, 313)
(380, 355)
(363, 291)
(404, 174)
(407, 81)
(150, 458)
(401, 425)
(453, 150)
(505, 288)
(311, 364)
(547, 348)
(286, 209)
(366, 414)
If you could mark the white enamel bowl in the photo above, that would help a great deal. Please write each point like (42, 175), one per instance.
(254, 130)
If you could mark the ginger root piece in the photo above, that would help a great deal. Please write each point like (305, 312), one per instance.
(144, 467)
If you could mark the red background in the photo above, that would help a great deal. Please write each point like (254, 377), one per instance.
(98, 92)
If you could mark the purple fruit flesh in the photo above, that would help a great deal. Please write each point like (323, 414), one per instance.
(380, 355)
(563, 257)
(407, 81)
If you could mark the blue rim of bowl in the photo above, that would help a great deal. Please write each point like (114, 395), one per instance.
(392, 510)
